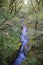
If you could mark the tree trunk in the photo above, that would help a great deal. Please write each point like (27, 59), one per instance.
(36, 23)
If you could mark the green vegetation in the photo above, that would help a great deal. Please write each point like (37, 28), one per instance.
(11, 13)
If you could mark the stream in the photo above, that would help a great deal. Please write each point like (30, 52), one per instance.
(24, 41)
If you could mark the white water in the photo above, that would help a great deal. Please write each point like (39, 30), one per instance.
(24, 41)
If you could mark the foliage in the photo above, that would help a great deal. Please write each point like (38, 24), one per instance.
(11, 13)
(9, 35)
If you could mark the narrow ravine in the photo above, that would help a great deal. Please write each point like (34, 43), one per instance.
(24, 40)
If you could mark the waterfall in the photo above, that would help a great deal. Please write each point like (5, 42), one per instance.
(24, 37)
(24, 41)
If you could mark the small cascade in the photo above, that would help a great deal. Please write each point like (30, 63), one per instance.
(24, 41)
(24, 37)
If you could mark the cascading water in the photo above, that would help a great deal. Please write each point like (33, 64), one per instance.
(24, 37)
(24, 41)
